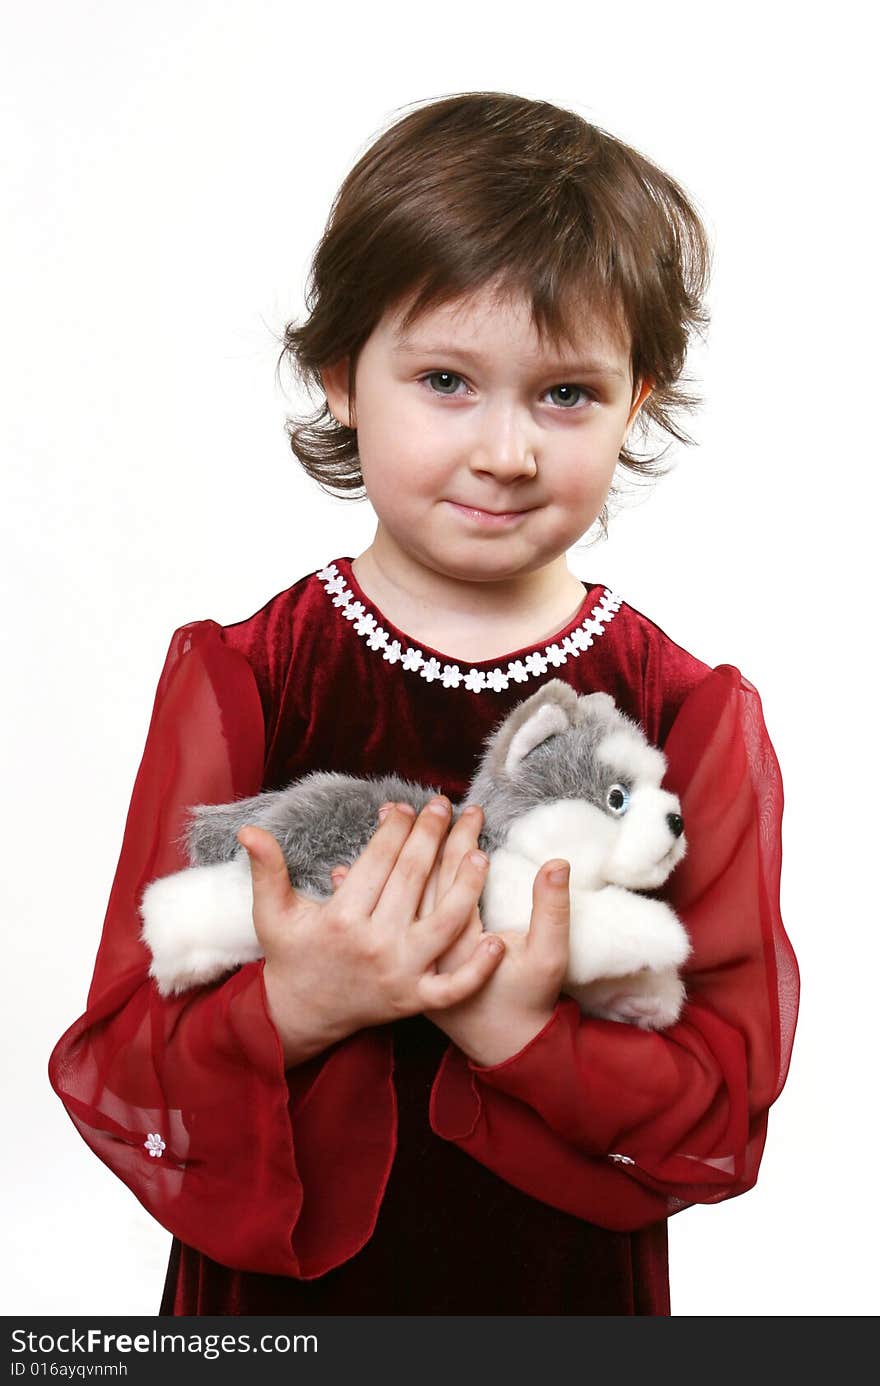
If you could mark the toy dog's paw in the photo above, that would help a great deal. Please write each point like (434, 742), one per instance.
(648, 1012)
(650, 1000)
(198, 925)
(197, 968)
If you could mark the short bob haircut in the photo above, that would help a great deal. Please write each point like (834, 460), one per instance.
(489, 187)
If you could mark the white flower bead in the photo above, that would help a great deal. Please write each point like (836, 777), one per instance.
(536, 663)
(430, 670)
(413, 659)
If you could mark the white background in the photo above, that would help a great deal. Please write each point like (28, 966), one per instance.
(168, 171)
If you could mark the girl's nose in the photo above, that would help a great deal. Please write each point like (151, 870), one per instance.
(505, 456)
(504, 446)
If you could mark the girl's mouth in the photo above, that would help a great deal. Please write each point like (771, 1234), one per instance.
(488, 518)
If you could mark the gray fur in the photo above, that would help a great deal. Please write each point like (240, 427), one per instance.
(320, 821)
(326, 819)
(562, 767)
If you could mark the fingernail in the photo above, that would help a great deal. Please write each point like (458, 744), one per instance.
(494, 944)
(479, 859)
(439, 806)
(559, 875)
(384, 812)
(471, 809)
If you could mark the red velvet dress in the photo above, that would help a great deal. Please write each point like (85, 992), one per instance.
(390, 1174)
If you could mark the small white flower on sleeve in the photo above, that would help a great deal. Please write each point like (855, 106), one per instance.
(497, 680)
(353, 611)
(475, 680)
(556, 655)
(393, 652)
(518, 671)
(329, 572)
(155, 1144)
(378, 639)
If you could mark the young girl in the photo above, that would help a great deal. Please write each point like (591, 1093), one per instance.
(393, 1113)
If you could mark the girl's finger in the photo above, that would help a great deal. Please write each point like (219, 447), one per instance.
(441, 989)
(551, 912)
(367, 876)
(453, 913)
(338, 875)
(268, 867)
(270, 881)
(463, 837)
(406, 882)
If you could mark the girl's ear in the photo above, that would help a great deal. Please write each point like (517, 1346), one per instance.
(335, 381)
(644, 389)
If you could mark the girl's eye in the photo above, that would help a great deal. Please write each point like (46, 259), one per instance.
(567, 391)
(446, 377)
(617, 799)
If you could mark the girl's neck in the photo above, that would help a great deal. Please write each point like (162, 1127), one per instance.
(474, 620)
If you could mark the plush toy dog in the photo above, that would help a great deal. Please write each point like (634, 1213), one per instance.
(561, 776)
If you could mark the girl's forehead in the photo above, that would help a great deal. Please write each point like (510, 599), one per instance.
(486, 312)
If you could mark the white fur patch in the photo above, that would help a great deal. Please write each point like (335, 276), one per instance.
(599, 705)
(623, 752)
(198, 924)
(569, 828)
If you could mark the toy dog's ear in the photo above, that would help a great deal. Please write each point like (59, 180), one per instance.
(596, 707)
(553, 709)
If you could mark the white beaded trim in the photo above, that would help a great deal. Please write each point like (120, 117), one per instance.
(450, 675)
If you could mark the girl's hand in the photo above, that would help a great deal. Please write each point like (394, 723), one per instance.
(463, 838)
(364, 957)
(520, 996)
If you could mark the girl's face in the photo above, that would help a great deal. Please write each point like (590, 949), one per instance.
(485, 456)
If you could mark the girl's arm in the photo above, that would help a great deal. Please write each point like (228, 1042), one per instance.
(623, 1126)
(186, 1098)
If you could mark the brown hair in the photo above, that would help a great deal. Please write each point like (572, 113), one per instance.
(486, 187)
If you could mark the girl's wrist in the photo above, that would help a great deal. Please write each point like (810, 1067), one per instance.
(302, 1037)
(503, 1041)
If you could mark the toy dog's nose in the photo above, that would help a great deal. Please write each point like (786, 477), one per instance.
(676, 824)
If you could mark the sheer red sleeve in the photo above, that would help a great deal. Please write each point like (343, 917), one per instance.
(260, 1169)
(623, 1126)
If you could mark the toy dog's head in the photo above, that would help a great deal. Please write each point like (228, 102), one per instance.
(574, 777)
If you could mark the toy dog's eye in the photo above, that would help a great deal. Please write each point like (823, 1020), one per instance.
(617, 799)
